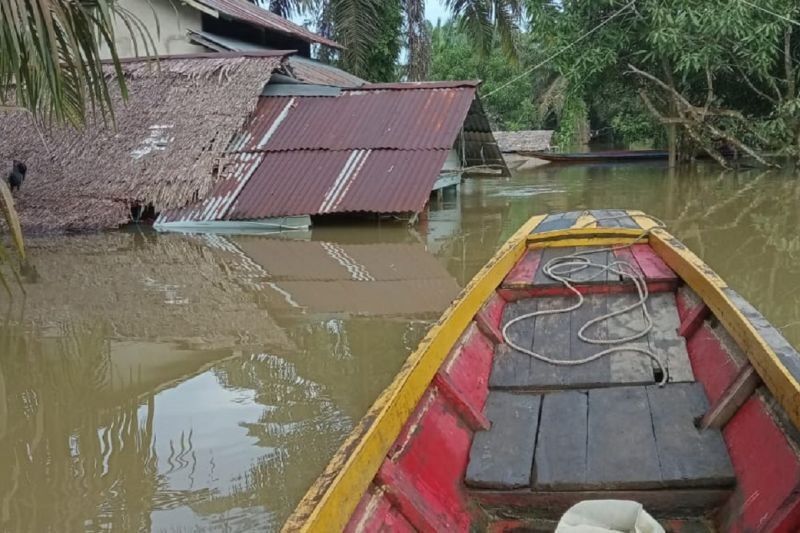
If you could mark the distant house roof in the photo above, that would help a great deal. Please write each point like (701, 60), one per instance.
(378, 148)
(170, 137)
(514, 141)
(245, 11)
(301, 68)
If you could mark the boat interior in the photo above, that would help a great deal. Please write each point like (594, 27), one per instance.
(504, 441)
(606, 429)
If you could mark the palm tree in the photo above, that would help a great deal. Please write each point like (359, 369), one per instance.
(356, 23)
(50, 67)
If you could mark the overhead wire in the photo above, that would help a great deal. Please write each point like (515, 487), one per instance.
(555, 55)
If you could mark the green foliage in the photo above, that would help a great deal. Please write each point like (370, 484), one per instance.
(370, 31)
(723, 68)
(574, 126)
(453, 58)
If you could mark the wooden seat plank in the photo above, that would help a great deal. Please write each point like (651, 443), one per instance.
(688, 456)
(622, 452)
(614, 218)
(597, 372)
(557, 221)
(511, 368)
(592, 274)
(560, 458)
(502, 457)
(664, 339)
(628, 366)
(551, 337)
(541, 279)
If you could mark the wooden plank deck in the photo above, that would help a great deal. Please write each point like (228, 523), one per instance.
(560, 433)
(609, 439)
(556, 336)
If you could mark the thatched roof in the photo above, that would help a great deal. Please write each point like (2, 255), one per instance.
(514, 141)
(168, 140)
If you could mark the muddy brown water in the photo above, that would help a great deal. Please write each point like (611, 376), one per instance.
(200, 383)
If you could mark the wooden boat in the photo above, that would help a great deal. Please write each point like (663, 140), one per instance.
(472, 435)
(598, 157)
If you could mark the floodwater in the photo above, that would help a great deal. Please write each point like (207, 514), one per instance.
(200, 383)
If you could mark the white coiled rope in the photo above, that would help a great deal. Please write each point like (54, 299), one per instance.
(562, 268)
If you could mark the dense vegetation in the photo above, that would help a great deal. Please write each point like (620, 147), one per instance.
(709, 76)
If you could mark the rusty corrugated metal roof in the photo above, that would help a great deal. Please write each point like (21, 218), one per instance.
(419, 119)
(376, 150)
(302, 182)
(412, 85)
(237, 170)
(251, 13)
(310, 71)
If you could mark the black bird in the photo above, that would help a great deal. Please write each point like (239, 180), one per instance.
(17, 175)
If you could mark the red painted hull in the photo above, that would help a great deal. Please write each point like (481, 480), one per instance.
(420, 485)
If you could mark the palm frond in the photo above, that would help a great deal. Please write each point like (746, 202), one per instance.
(483, 18)
(50, 55)
(356, 23)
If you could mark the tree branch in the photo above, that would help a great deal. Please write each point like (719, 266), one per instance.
(710, 85)
(787, 63)
(753, 88)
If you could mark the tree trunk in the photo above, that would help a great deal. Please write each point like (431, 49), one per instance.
(672, 143)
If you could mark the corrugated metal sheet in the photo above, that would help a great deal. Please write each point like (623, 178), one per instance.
(401, 120)
(412, 85)
(248, 12)
(320, 182)
(310, 71)
(236, 172)
(302, 68)
(373, 150)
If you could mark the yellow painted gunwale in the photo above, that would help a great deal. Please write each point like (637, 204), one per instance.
(330, 502)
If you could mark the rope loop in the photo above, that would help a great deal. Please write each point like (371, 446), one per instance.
(563, 269)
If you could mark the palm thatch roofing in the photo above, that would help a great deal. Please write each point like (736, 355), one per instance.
(164, 148)
(525, 140)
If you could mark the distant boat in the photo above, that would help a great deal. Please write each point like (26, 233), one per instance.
(595, 157)
(477, 433)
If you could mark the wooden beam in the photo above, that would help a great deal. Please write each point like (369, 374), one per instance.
(694, 319)
(463, 408)
(741, 388)
(405, 498)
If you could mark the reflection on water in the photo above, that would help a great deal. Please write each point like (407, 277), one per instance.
(176, 383)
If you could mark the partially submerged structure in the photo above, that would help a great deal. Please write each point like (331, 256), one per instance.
(250, 137)
(315, 150)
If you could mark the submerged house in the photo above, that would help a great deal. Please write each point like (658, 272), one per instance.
(254, 136)
(312, 150)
